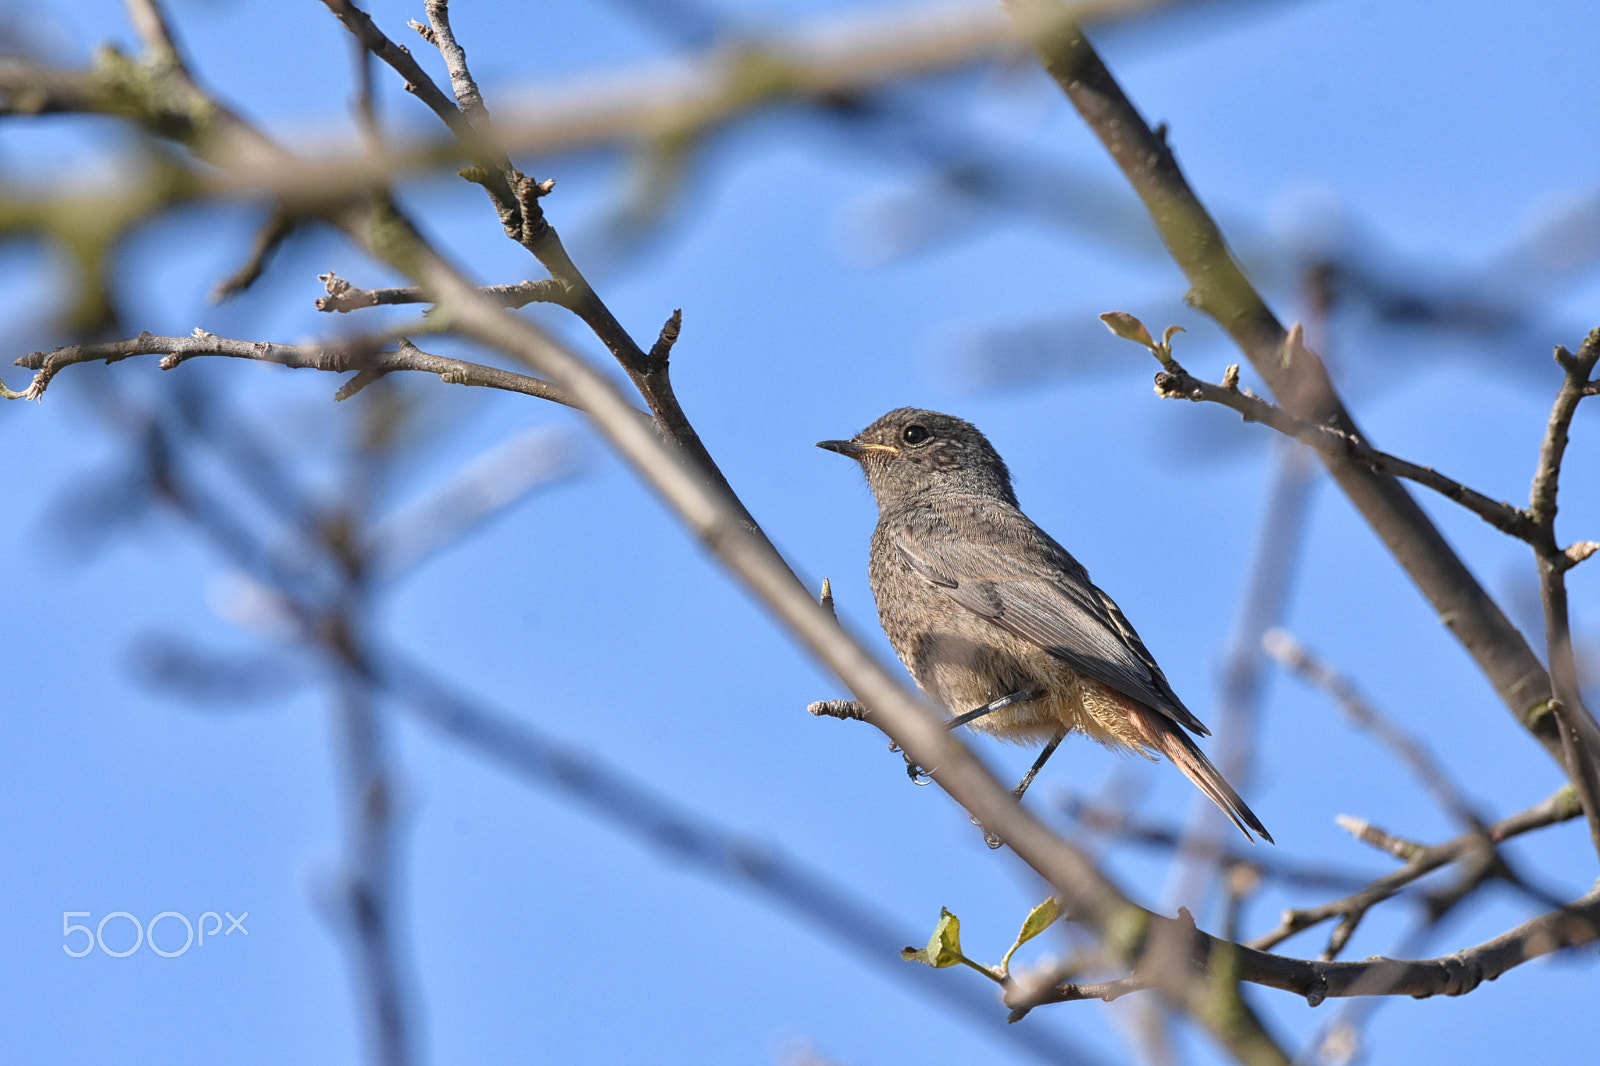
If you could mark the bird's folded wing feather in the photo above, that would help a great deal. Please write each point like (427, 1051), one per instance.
(1034, 588)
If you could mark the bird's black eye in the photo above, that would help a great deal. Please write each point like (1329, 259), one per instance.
(915, 434)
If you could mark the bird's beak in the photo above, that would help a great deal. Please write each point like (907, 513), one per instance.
(855, 449)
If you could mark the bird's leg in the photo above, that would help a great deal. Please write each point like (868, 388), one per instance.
(1038, 764)
(917, 774)
(993, 705)
(1027, 779)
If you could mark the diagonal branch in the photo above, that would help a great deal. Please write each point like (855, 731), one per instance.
(1282, 646)
(1220, 289)
(516, 198)
(713, 850)
(420, 85)
(277, 228)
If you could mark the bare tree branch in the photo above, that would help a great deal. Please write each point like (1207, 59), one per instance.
(1116, 823)
(1457, 974)
(276, 229)
(439, 34)
(1174, 382)
(1579, 745)
(1220, 289)
(367, 888)
(714, 850)
(363, 354)
(516, 199)
(150, 23)
(344, 297)
(1282, 646)
(1560, 807)
(1581, 768)
(1378, 837)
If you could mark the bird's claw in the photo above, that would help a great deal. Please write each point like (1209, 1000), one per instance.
(918, 775)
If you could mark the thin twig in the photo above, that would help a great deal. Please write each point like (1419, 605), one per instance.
(1175, 383)
(1116, 823)
(367, 889)
(1575, 386)
(150, 23)
(1580, 737)
(1266, 592)
(1106, 991)
(478, 490)
(1402, 848)
(1581, 768)
(365, 104)
(344, 297)
(417, 81)
(468, 98)
(272, 232)
(363, 354)
(1560, 807)
(1282, 646)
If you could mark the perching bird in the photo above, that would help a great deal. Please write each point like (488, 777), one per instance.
(984, 608)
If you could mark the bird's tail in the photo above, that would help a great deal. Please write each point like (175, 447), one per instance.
(1168, 738)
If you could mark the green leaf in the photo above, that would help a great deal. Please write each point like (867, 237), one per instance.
(1171, 332)
(1039, 919)
(944, 947)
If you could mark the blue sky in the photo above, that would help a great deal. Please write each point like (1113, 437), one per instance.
(1428, 138)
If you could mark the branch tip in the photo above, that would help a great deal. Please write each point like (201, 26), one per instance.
(1577, 553)
(826, 599)
(1381, 839)
(841, 709)
(1294, 344)
(662, 349)
(362, 379)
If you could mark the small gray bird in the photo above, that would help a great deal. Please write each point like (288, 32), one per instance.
(988, 612)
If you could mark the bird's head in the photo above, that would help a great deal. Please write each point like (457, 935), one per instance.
(909, 451)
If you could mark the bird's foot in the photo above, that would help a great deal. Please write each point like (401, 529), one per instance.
(918, 775)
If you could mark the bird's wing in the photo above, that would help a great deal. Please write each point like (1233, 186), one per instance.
(1015, 576)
